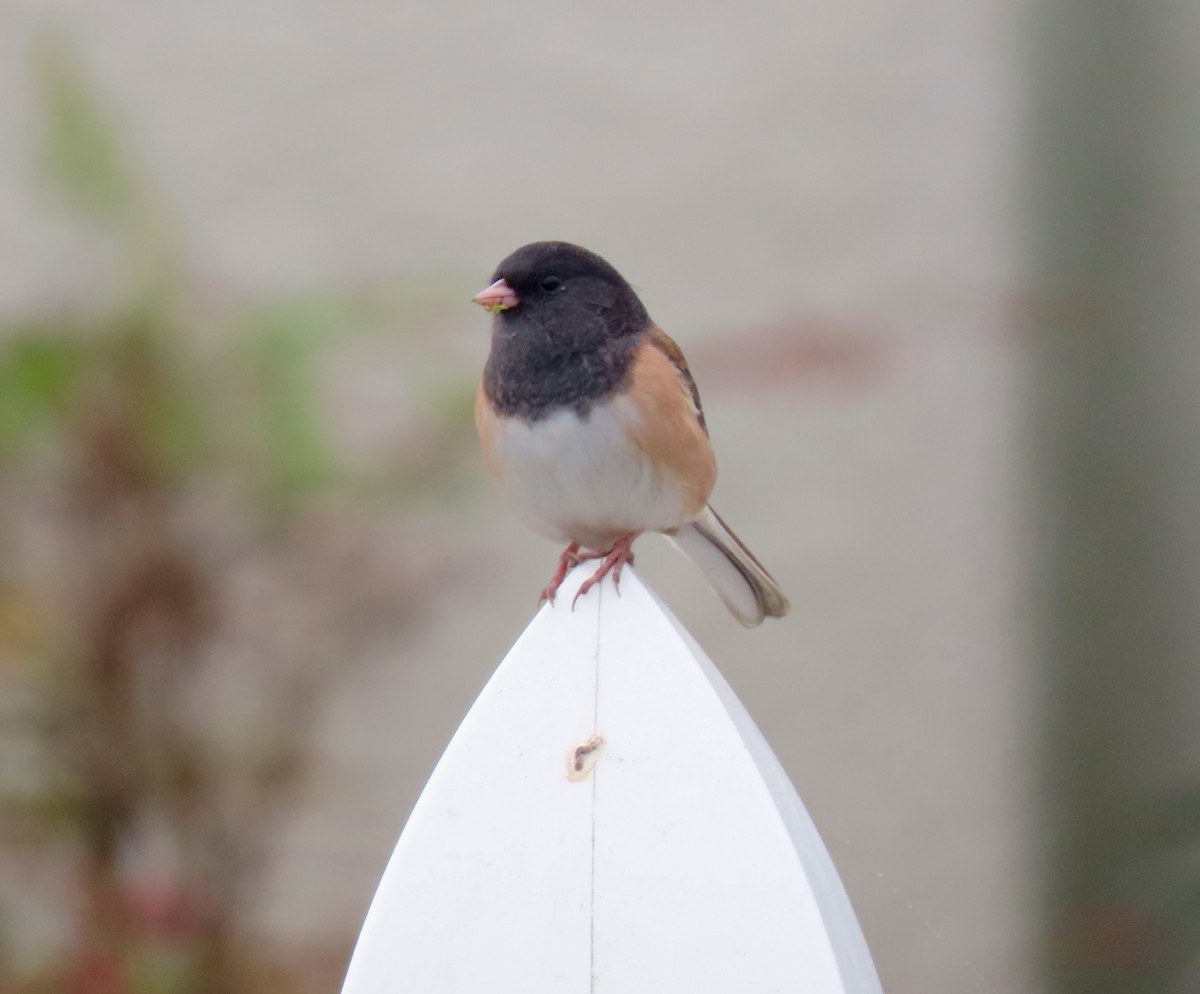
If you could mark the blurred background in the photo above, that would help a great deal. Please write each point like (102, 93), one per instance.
(935, 268)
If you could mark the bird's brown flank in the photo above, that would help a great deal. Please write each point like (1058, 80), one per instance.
(671, 431)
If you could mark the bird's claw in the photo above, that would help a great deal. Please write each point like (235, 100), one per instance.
(614, 561)
(567, 561)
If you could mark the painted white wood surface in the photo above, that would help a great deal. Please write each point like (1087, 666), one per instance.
(609, 820)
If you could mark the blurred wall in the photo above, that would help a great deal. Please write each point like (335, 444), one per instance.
(816, 201)
(1115, 187)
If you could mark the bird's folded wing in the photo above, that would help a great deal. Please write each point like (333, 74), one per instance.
(666, 345)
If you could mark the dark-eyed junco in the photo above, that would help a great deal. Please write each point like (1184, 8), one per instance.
(589, 417)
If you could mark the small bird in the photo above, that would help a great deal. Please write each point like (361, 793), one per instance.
(589, 417)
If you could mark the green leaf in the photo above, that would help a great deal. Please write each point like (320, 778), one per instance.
(38, 369)
(282, 342)
(79, 152)
(175, 425)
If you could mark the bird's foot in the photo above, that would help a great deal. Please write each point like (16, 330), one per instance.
(614, 561)
(567, 561)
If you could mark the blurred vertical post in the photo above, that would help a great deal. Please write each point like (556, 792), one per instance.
(1116, 258)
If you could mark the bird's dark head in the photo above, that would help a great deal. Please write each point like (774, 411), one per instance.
(564, 333)
(556, 286)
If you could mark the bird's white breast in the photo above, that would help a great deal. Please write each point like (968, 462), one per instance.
(584, 480)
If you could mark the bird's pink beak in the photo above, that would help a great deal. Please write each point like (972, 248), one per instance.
(497, 297)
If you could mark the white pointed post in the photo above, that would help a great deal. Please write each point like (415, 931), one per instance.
(609, 820)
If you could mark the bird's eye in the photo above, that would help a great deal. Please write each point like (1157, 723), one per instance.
(551, 283)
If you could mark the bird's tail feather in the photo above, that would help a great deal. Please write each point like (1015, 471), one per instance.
(739, 579)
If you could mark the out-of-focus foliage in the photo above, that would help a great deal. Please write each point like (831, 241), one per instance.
(186, 571)
(80, 156)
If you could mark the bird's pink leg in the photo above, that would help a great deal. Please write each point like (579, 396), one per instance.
(569, 559)
(614, 561)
